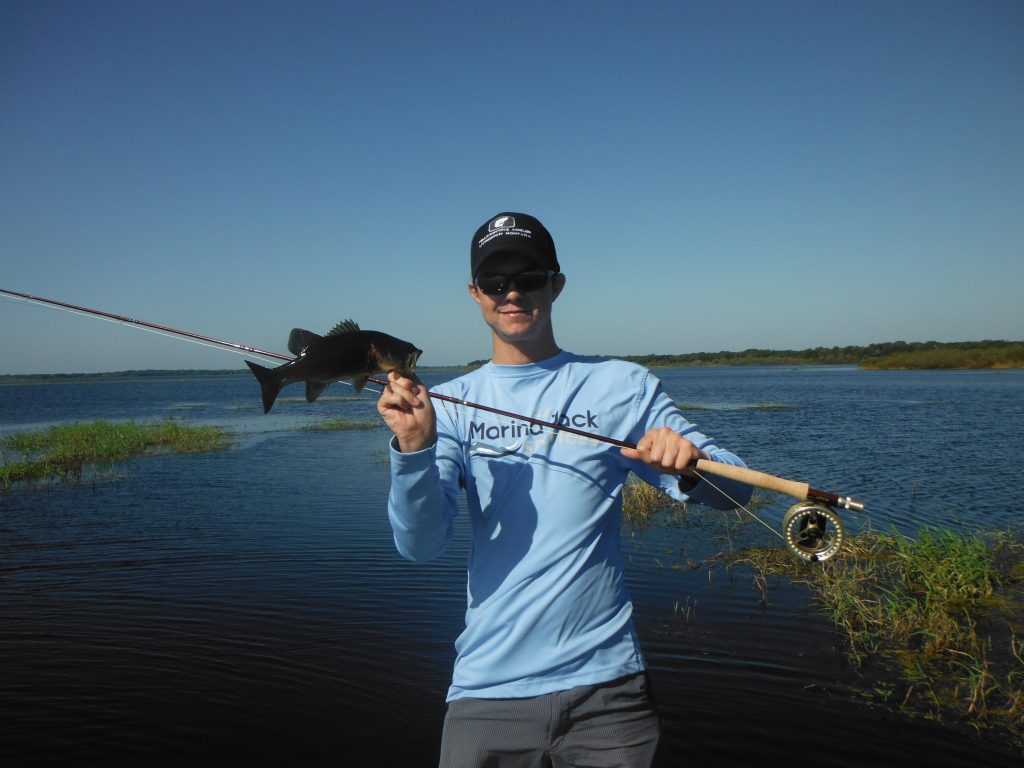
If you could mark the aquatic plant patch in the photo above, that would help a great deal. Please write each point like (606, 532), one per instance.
(65, 450)
(643, 503)
(936, 621)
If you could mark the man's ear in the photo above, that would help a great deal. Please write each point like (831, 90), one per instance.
(557, 284)
(474, 292)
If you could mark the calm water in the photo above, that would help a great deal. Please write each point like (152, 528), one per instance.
(248, 605)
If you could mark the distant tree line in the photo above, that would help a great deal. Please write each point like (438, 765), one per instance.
(886, 354)
(889, 354)
(980, 354)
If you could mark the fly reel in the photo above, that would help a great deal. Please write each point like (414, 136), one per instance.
(812, 531)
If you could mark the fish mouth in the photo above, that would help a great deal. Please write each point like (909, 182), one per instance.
(403, 363)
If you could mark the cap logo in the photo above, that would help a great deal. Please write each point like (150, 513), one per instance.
(502, 222)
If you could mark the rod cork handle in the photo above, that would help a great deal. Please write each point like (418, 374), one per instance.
(755, 478)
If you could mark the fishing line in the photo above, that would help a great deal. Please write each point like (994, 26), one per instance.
(704, 477)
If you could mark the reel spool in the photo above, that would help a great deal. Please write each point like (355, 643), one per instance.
(807, 532)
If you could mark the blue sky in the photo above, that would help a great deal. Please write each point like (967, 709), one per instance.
(717, 175)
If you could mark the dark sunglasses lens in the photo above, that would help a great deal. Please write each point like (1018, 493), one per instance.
(497, 285)
(531, 281)
(492, 285)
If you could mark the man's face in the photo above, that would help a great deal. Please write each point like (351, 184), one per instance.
(516, 316)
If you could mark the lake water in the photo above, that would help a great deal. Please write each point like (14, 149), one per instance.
(249, 606)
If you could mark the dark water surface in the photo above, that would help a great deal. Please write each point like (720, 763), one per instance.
(248, 605)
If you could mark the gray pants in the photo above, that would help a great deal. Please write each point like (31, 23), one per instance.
(612, 725)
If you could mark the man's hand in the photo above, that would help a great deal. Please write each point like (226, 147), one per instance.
(665, 450)
(405, 407)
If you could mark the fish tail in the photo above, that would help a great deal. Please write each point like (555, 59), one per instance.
(269, 384)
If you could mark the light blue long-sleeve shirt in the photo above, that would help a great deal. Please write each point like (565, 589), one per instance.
(547, 603)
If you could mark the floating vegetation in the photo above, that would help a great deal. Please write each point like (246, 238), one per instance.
(63, 451)
(338, 423)
(942, 613)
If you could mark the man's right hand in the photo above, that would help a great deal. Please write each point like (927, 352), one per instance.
(406, 408)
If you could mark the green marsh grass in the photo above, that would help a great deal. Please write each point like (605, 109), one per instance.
(63, 451)
(936, 619)
(641, 502)
(933, 623)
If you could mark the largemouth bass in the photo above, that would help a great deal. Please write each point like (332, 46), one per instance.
(345, 352)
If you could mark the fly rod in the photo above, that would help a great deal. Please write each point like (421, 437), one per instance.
(749, 476)
(797, 490)
(240, 348)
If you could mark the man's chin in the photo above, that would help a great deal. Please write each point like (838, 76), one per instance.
(516, 325)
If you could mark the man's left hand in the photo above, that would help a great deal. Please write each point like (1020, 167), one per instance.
(665, 450)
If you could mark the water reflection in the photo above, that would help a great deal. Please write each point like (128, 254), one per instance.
(249, 605)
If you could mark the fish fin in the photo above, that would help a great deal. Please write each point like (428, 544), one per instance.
(269, 384)
(299, 340)
(345, 326)
(360, 381)
(314, 388)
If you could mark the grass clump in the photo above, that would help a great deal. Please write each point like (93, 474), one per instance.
(64, 450)
(640, 502)
(939, 617)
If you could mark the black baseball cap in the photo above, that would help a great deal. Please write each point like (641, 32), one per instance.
(517, 233)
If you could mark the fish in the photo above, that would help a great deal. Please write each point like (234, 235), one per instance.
(344, 352)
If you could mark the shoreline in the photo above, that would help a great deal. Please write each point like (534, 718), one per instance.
(19, 379)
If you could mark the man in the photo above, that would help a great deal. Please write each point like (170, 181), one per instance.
(549, 670)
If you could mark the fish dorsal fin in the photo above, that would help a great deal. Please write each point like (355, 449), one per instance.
(345, 326)
(299, 340)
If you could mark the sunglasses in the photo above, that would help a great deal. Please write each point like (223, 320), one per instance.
(499, 285)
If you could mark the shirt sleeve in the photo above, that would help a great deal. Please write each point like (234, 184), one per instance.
(422, 503)
(656, 409)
